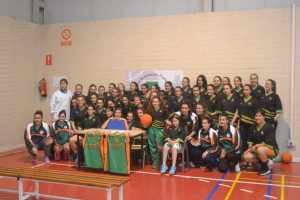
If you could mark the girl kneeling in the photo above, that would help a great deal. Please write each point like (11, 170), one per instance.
(262, 144)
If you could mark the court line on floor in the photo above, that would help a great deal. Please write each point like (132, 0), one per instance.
(244, 190)
(295, 176)
(199, 177)
(269, 187)
(216, 187)
(268, 197)
(233, 186)
(38, 165)
(262, 180)
(282, 188)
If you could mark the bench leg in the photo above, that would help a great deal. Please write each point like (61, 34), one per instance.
(20, 183)
(121, 192)
(36, 189)
(108, 193)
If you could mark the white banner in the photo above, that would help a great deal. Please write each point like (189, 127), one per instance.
(153, 77)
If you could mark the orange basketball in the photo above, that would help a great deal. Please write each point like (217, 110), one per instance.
(286, 158)
(146, 120)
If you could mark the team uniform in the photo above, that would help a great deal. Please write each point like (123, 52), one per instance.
(187, 122)
(175, 104)
(265, 136)
(118, 152)
(271, 105)
(77, 117)
(219, 91)
(92, 121)
(38, 136)
(173, 134)
(93, 150)
(238, 92)
(131, 95)
(200, 99)
(205, 141)
(187, 92)
(60, 132)
(230, 143)
(258, 91)
(212, 104)
(229, 105)
(134, 124)
(100, 112)
(156, 130)
(246, 112)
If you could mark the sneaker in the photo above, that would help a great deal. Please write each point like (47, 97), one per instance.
(154, 166)
(263, 172)
(202, 167)
(47, 161)
(57, 156)
(192, 165)
(34, 158)
(76, 158)
(250, 166)
(270, 163)
(237, 167)
(164, 168)
(172, 170)
(180, 164)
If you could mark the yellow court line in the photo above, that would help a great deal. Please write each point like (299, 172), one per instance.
(232, 186)
(244, 172)
(263, 180)
(282, 188)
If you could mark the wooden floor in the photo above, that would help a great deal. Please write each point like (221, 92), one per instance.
(283, 183)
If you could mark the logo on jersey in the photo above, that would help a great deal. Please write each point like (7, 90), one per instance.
(65, 127)
(228, 135)
(117, 140)
(41, 132)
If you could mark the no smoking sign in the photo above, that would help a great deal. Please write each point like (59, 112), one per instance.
(66, 37)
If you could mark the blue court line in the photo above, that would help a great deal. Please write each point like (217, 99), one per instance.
(269, 186)
(216, 187)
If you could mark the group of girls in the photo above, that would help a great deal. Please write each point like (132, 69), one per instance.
(220, 123)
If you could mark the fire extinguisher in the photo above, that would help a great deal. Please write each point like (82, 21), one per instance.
(43, 87)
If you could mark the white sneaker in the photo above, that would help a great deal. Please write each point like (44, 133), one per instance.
(180, 164)
(270, 163)
(237, 167)
(192, 165)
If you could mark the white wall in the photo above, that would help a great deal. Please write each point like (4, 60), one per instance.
(19, 72)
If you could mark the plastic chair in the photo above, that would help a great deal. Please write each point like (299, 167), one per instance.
(136, 146)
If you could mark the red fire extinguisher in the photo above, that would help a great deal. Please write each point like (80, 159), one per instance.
(43, 87)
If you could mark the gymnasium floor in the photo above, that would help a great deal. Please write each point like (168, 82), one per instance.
(146, 184)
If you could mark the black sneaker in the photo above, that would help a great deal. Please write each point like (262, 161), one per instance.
(263, 172)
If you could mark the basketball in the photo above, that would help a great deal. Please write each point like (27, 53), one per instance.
(286, 158)
(146, 120)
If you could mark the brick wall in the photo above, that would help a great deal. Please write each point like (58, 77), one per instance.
(223, 43)
(19, 69)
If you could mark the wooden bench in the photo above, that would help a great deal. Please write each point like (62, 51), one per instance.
(102, 181)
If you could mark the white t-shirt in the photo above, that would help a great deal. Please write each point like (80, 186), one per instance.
(60, 101)
(193, 116)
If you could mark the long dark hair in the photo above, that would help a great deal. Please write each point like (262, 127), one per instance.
(204, 81)
(273, 85)
(150, 109)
